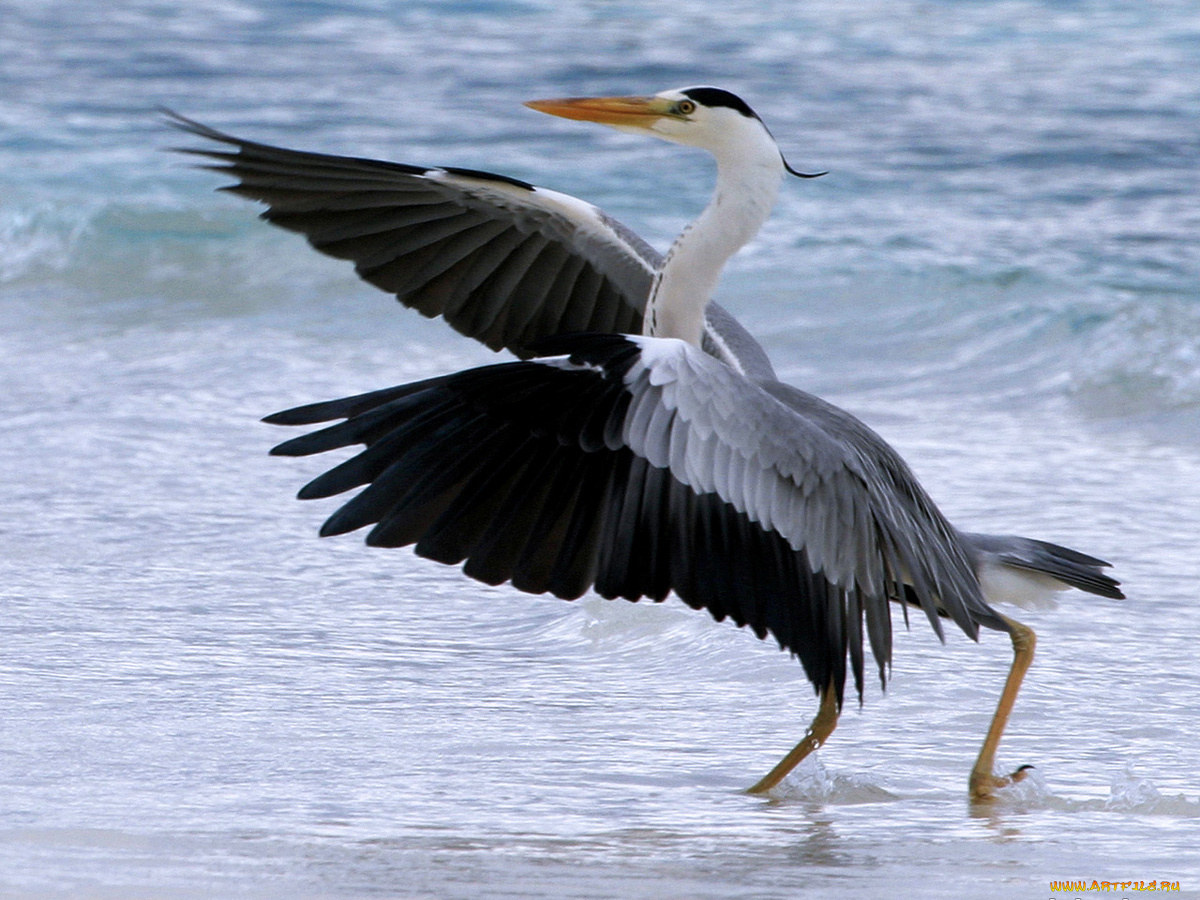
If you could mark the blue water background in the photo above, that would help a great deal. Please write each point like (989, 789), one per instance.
(1001, 273)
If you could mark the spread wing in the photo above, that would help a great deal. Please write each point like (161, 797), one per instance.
(504, 262)
(640, 466)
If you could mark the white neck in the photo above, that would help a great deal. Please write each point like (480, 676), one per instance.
(749, 173)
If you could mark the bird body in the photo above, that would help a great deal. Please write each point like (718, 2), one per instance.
(643, 444)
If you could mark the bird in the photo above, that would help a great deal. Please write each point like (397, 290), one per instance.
(641, 444)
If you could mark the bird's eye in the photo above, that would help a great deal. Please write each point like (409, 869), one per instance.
(685, 107)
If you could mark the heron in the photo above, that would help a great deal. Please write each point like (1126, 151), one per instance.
(641, 445)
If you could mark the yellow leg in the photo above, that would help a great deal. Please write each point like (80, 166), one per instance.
(818, 732)
(983, 783)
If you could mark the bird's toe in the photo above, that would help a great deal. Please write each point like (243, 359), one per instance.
(984, 785)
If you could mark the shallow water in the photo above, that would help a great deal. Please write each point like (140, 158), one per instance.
(201, 699)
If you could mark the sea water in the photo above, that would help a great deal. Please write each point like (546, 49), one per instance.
(199, 698)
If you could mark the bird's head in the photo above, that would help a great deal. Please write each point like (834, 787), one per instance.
(711, 118)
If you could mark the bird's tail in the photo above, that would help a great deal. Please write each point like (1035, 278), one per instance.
(995, 554)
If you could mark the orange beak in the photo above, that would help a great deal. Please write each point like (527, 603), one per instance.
(636, 112)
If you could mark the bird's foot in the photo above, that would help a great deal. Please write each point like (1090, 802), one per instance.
(984, 785)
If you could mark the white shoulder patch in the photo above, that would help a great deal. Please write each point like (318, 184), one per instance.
(657, 350)
(567, 364)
